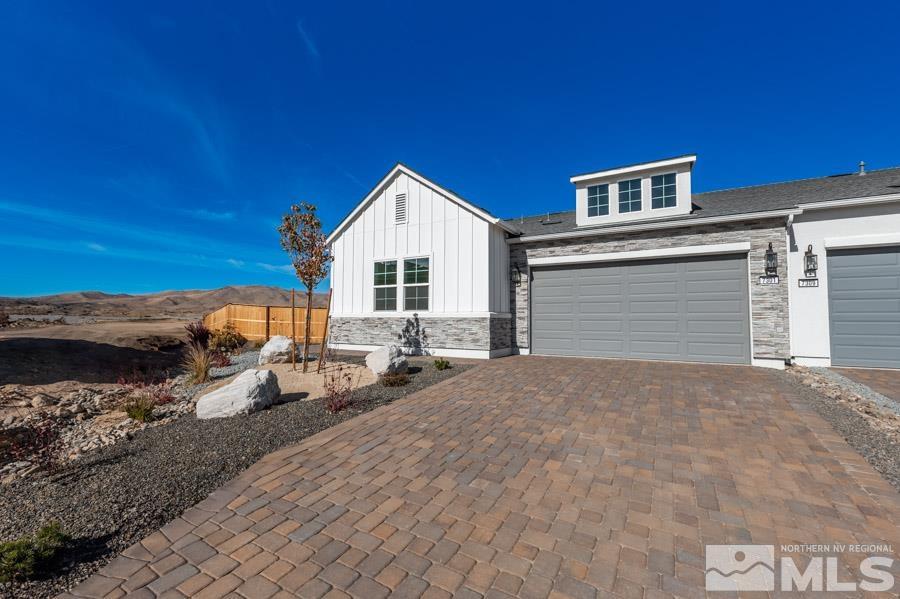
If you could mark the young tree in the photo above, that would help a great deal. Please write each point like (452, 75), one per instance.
(303, 240)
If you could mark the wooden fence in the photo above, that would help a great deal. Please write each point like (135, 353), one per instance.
(262, 322)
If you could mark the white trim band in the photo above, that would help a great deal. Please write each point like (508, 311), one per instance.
(891, 197)
(695, 250)
(644, 166)
(862, 241)
(650, 226)
(478, 354)
(423, 315)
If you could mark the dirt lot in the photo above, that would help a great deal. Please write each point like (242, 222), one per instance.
(89, 353)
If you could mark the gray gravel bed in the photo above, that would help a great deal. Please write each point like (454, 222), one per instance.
(863, 391)
(115, 496)
(874, 445)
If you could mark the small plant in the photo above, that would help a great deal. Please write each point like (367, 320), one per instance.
(441, 364)
(22, 558)
(339, 385)
(4, 319)
(198, 334)
(228, 338)
(139, 407)
(219, 359)
(394, 380)
(40, 443)
(197, 361)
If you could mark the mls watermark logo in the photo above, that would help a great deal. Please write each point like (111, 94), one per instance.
(740, 567)
(754, 568)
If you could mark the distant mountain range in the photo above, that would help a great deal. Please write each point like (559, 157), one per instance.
(188, 303)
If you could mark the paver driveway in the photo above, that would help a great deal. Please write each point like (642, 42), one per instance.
(886, 382)
(525, 476)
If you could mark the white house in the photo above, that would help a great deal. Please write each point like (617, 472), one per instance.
(638, 267)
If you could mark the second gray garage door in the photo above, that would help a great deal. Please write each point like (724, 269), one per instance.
(693, 309)
(864, 307)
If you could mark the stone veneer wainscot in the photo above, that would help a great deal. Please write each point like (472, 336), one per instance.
(481, 333)
(768, 305)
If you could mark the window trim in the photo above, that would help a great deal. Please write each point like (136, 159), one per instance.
(375, 286)
(675, 184)
(402, 283)
(640, 190)
(401, 300)
(588, 191)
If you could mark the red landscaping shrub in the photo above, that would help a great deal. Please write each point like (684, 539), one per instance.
(339, 385)
(198, 334)
(39, 442)
(219, 359)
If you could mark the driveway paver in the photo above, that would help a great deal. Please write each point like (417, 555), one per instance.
(526, 476)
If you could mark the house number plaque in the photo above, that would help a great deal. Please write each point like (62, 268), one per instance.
(763, 280)
(808, 282)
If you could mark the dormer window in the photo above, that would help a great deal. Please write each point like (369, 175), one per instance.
(598, 200)
(662, 191)
(630, 196)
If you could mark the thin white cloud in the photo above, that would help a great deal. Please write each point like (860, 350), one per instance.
(236, 263)
(308, 41)
(96, 247)
(283, 268)
(205, 214)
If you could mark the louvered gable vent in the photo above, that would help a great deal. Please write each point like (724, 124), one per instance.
(400, 208)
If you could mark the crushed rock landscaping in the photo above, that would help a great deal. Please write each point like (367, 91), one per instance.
(117, 494)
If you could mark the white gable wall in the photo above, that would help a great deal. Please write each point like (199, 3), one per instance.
(468, 256)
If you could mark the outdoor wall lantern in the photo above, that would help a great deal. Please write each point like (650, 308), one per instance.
(516, 275)
(771, 262)
(810, 262)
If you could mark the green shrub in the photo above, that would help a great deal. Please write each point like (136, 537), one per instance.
(441, 364)
(26, 556)
(394, 380)
(139, 406)
(227, 338)
(197, 361)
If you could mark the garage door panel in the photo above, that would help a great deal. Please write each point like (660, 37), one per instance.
(864, 307)
(675, 309)
(720, 327)
(653, 326)
(869, 283)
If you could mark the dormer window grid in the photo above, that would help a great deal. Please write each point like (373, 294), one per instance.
(662, 191)
(629, 196)
(598, 200)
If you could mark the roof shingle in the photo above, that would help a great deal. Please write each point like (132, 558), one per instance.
(745, 200)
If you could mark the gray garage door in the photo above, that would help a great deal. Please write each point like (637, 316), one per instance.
(693, 309)
(864, 307)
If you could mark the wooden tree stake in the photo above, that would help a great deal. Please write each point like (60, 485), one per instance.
(293, 334)
(323, 347)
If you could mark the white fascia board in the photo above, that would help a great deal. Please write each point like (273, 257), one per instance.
(400, 168)
(693, 250)
(650, 226)
(847, 202)
(862, 241)
(634, 168)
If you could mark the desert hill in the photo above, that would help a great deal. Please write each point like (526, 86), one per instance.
(186, 303)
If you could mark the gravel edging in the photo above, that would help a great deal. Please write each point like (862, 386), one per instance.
(863, 391)
(113, 497)
(875, 446)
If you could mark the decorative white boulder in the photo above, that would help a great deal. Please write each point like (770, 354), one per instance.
(249, 392)
(387, 360)
(277, 350)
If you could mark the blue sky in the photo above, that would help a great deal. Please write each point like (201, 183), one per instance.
(153, 145)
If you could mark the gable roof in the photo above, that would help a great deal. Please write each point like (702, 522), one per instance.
(742, 200)
(402, 168)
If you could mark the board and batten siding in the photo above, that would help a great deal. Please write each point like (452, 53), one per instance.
(469, 258)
